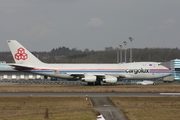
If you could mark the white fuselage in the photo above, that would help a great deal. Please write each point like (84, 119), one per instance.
(139, 70)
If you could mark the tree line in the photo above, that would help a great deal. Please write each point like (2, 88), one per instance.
(109, 55)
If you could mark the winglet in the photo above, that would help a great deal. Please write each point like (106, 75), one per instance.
(20, 54)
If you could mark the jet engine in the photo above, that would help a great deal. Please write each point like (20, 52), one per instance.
(89, 78)
(110, 79)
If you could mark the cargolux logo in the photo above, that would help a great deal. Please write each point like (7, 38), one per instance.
(136, 71)
(21, 54)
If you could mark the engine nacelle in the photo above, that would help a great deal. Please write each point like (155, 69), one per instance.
(110, 79)
(89, 78)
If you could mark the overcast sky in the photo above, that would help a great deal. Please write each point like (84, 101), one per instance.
(41, 25)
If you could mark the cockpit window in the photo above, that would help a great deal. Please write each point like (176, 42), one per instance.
(159, 64)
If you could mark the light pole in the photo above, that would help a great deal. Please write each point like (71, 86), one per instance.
(125, 43)
(120, 53)
(131, 39)
(117, 56)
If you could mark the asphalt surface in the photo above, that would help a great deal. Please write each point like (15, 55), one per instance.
(104, 106)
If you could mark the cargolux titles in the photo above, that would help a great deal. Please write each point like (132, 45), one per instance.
(136, 71)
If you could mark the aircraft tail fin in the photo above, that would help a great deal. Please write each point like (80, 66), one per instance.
(20, 54)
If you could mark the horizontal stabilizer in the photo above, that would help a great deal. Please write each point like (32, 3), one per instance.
(21, 66)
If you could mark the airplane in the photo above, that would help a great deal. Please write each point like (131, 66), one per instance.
(146, 82)
(91, 73)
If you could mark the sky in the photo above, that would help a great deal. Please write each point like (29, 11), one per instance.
(41, 25)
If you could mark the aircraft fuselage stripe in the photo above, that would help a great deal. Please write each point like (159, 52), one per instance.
(82, 71)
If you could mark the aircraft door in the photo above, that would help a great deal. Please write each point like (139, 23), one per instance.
(154, 66)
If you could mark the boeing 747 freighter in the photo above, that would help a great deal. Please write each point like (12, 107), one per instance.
(91, 73)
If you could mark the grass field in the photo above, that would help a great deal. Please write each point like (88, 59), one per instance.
(40, 108)
(149, 108)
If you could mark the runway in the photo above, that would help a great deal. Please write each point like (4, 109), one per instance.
(88, 94)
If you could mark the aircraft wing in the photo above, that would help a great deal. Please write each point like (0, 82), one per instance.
(21, 66)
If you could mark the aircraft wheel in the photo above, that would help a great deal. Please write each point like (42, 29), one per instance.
(90, 83)
(98, 83)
